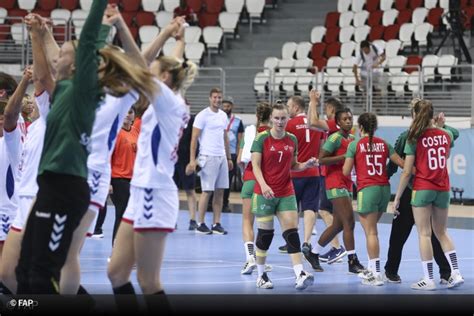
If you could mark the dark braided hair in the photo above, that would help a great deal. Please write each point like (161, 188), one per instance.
(368, 121)
(340, 112)
(264, 110)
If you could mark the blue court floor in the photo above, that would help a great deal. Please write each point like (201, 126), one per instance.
(210, 264)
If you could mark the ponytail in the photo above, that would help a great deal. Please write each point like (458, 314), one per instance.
(368, 121)
(423, 111)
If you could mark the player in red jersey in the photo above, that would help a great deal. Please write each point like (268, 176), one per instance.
(339, 189)
(264, 110)
(428, 149)
(274, 154)
(331, 106)
(370, 155)
(307, 182)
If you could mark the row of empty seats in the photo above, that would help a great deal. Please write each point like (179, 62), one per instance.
(401, 76)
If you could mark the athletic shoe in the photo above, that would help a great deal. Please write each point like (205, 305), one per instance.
(354, 265)
(283, 249)
(373, 280)
(324, 257)
(98, 234)
(337, 254)
(218, 229)
(455, 280)
(203, 229)
(312, 258)
(304, 280)
(264, 282)
(249, 266)
(192, 225)
(314, 232)
(444, 282)
(366, 274)
(424, 285)
(392, 278)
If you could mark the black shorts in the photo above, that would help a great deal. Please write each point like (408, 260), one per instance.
(307, 193)
(324, 203)
(183, 181)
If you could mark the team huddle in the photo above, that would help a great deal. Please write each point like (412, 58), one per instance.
(56, 173)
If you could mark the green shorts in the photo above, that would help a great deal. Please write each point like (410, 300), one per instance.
(338, 193)
(422, 198)
(374, 198)
(247, 189)
(263, 207)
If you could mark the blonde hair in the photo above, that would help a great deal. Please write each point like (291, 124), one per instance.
(121, 75)
(182, 73)
(424, 114)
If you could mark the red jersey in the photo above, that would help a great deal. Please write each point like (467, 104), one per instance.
(248, 173)
(309, 142)
(431, 152)
(332, 129)
(370, 162)
(277, 156)
(337, 144)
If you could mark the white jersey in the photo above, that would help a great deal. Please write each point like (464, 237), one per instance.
(32, 148)
(212, 126)
(10, 152)
(109, 118)
(162, 127)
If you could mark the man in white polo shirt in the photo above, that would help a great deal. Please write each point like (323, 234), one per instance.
(210, 128)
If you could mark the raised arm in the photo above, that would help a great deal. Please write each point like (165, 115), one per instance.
(13, 108)
(114, 17)
(86, 64)
(42, 76)
(154, 48)
(314, 120)
(178, 50)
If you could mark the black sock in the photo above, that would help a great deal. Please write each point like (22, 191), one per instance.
(125, 299)
(4, 290)
(82, 290)
(352, 256)
(127, 288)
(157, 304)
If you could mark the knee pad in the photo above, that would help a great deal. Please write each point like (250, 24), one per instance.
(264, 238)
(292, 240)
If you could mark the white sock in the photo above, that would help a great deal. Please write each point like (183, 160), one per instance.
(249, 250)
(298, 268)
(428, 269)
(374, 266)
(351, 252)
(317, 248)
(453, 260)
(260, 269)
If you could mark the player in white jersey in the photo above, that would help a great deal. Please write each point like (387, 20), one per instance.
(108, 121)
(153, 206)
(10, 157)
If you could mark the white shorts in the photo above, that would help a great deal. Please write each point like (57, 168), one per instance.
(6, 219)
(25, 203)
(214, 172)
(99, 183)
(152, 209)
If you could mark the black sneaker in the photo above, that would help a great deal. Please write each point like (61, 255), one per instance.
(354, 265)
(98, 233)
(203, 229)
(283, 249)
(193, 225)
(392, 277)
(226, 209)
(218, 229)
(312, 258)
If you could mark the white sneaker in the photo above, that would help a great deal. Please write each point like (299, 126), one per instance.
(248, 268)
(365, 275)
(264, 282)
(373, 280)
(424, 285)
(455, 280)
(304, 280)
(314, 232)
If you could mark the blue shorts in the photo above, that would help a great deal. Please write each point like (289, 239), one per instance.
(324, 203)
(307, 193)
(183, 181)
